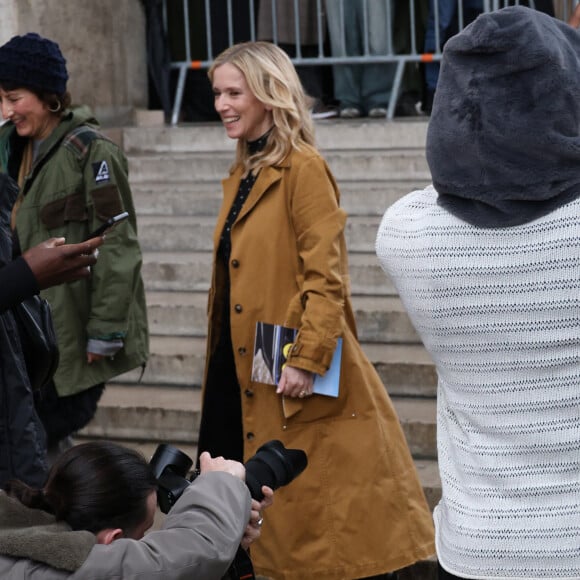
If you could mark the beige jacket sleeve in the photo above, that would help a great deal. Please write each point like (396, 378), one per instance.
(199, 539)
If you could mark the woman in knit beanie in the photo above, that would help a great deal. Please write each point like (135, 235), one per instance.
(71, 180)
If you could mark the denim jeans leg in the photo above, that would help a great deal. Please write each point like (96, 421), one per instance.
(446, 11)
(377, 79)
(346, 77)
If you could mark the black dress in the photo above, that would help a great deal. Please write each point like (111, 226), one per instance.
(221, 431)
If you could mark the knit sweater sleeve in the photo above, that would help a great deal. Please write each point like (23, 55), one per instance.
(497, 310)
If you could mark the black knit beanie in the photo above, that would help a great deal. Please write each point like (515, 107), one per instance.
(31, 61)
(503, 143)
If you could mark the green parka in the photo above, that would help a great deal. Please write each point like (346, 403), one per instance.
(78, 180)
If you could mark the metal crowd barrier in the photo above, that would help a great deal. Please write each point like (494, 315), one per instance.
(192, 61)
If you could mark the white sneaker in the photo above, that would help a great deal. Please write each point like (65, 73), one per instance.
(378, 113)
(322, 111)
(349, 113)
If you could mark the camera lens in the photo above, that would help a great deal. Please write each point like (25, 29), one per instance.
(170, 466)
(169, 456)
(273, 465)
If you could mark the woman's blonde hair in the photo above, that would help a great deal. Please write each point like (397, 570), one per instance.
(273, 80)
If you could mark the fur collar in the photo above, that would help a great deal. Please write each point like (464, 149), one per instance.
(503, 143)
(36, 535)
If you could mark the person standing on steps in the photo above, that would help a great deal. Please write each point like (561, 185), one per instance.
(487, 263)
(22, 437)
(361, 89)
(280, 257)
(316, 79)
(72, 179)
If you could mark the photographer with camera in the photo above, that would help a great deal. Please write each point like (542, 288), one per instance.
(90, 518)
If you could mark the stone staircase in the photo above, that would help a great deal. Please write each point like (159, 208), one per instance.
(175, 176)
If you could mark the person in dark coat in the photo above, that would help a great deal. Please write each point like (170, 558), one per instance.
(22, 438)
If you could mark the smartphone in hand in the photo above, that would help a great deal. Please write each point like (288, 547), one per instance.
(108, 225)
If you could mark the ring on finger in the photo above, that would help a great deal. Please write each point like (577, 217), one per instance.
(260, 522)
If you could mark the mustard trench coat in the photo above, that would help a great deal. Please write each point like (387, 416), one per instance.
(358, 509)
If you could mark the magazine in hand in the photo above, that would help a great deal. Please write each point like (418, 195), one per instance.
(271, 347)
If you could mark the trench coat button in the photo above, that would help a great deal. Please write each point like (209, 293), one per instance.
(238, 308)
(242, 350)
(249, 393)
(235, 264)
(250, 436)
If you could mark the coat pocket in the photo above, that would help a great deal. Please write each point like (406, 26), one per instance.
(107, 202)
(66, 209)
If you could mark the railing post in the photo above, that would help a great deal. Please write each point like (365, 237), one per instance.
(179, 94)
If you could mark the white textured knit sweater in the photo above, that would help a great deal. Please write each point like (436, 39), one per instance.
(499, 312)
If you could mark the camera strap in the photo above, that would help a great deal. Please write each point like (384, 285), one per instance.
(242, 567)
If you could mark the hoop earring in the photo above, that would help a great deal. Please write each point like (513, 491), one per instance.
(57, 109)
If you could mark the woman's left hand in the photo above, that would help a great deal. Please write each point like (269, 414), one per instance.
(254, 527)
(295, 383)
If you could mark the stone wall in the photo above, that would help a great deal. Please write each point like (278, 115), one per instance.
(103, 42)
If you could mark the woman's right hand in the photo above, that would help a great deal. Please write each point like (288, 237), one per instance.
(295, 382)
(53, 262)
(208, 463)
(254, 527)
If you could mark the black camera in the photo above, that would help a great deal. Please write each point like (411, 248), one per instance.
(272, 465)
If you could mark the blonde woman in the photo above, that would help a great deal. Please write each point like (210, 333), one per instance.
(280, 257)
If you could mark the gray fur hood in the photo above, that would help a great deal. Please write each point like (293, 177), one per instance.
(36, 535)
(503, 143)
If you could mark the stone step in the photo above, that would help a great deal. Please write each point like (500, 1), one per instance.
(188, 198)
(176, 271)
(419, 420)
(428, 471)
(146, 448)
(379, 318)
(172, 415)
(177, 313)
(383, 319)
(195, 198)
(330, 135)
(191, 271)
(180, 233)
(147, 413)
(405, 369)
(387, 164)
